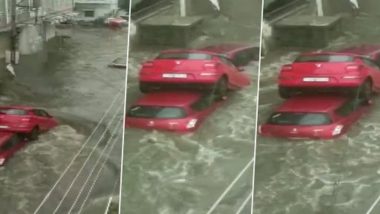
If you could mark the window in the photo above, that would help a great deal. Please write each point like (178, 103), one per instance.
(89, 13)
(324, 58)
(242, 58)
(157, 112)
(11, 142)
(295, 118)
(348, 107)
(377, 59)
(203, 103)
(227, 61)
(370, 63)
(184, 55)
(13, 112)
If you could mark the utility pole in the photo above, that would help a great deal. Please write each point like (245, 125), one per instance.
(12, 54)
(182, 6)
(319, 7)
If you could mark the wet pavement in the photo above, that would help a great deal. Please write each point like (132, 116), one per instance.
(185, 174)
(76, 165)
(334, 176)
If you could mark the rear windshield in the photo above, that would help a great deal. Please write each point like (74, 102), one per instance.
(156, 112)
(194, 56)
(13, 112)
(324, 58)
(291, 118)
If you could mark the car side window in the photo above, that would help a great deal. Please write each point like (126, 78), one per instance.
(10, 143)
(44, 113)
(377, 59)
(203, 103)
(348, 107)
(227, 61)
(370, 63)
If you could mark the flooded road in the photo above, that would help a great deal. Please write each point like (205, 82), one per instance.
(334, 176)
(76, 165)
(168, 173)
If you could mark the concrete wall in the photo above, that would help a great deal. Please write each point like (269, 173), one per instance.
(242, 11)
(100, 10)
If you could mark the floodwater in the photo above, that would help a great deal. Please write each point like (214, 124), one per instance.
(76, 165)
(334, 176)
(168, 173)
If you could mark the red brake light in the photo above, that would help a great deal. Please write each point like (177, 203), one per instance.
(353, 67)
(210, 65)
(287, 67)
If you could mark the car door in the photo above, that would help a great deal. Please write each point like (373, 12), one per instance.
(40, 119)
(49, 120)
(244, 56)
(237, 77)
(374, 70)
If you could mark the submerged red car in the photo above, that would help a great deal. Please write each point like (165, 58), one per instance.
(198, 68)
(314, 117)
(26, 120)
(351, 68)
(171, 111)
(10, 143)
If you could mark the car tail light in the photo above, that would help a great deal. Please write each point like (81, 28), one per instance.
(191, 124)
(210, 65)
(2, 161)
(337, 130)
(353, 67)
(260, 131)
(287, 67)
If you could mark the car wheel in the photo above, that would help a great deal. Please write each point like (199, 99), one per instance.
(365, 91)
(144, 87)
(284, 93)
(33, 135)
(221, 88)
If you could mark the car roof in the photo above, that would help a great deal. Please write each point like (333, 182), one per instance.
(226, 48)
(187, 51)
(26, 108)
(312, 103)
(4, 136)
(169, 98)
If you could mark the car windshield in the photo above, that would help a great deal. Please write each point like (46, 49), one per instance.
(292, 118)
(324, 58)
(13, 111)
(156, 112)
(184, 55)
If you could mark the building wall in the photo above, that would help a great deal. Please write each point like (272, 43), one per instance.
(100, 10)
(242, 11)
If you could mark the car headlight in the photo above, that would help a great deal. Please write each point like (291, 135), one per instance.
(337, 130)
(191, 123)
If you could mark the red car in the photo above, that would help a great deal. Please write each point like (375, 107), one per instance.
(181, 111)
(351, 68)
(192, 68)
(10, 143)
(315, 117)
(26, 120)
